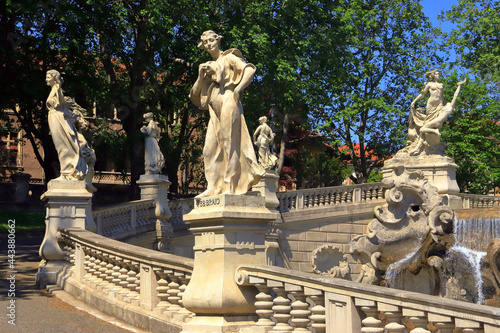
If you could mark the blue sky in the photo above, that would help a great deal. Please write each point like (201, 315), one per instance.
(432, 8)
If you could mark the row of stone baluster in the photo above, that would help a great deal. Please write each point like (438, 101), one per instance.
(288, 201)
(293, 308)
(372, 193)
(327, 198)
(115, 223)
(120, 278)
(119, 220)
(286, 307)
(382, 317)
(486, 203)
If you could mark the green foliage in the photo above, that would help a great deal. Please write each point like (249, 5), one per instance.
(376, 176)
(386, 46)
(473, 131)
(319, 169)
(473, 137)
(476, 37)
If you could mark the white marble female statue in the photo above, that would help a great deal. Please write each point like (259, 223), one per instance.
(263, 138)
(230, 163)
(427, 127)
(153, 158)
(63, 130)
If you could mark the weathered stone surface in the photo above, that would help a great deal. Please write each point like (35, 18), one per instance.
(406, 228)
(229, 230)
(69, 205)
(230, 163)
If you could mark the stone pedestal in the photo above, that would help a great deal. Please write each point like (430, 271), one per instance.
(155, 187)
(268, 186)
(69, 205)
(439, 170)
(229, 230)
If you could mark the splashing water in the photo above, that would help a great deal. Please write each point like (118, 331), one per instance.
(395, 272)
(472, 237)
(471, 265)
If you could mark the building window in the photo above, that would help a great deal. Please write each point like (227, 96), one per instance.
(11, 150)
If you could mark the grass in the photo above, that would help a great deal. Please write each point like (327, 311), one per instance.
(25, 219)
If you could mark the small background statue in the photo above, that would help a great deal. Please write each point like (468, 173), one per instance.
(424, 128)
(65, 119)
(153, 158)
(230, 163)
(263, 138)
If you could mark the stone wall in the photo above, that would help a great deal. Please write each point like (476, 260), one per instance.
(302, 232)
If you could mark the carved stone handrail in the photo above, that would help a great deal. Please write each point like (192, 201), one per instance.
(124, 218)
(330, 196)
(337, 305)
(137, 285)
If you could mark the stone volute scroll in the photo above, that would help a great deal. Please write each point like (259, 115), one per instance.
(153, 157)
(230, 163)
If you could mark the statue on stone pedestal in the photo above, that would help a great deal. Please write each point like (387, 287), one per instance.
(424, 128)
(230, 163)
(153, 158)
(263, 138)
(65, 119)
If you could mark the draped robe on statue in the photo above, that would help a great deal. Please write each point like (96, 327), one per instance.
(229, 156)
(65, 136)
(153, 158)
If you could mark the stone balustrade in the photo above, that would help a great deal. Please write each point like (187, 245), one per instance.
(107, 177)
(137, 285)
(470, 201)
(300, 302)
(179, 208)
(330, 196)
(120, 220)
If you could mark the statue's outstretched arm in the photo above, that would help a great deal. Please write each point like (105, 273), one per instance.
(457, 91)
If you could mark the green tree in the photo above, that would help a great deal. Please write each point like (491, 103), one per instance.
(388, 45)
(473, 133)
(475, 38)
(473, 137)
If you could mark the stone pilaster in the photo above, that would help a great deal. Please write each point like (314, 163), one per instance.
(229, 230)
(69, 205)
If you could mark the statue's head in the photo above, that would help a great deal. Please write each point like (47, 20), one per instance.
(262, 119)
(53, 77)
(434, 74)
(209, 41)
(148, 116)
